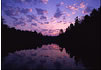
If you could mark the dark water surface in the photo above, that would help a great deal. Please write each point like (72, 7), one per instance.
(48, 57)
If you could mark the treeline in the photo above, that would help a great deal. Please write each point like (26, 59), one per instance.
(12, 39)
(82, 40)
(85, 31)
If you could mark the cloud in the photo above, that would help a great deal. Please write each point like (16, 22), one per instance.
(44, 29)
(30, 10)
(73, 12)
(60, 4)
(51, 31)
(31, 17)
(16, 19)
(64, 17)
(75, 7)
(44, 1)
(5, 6)
(58, 13)
(54, 32)
(19, 23)
(68, 14)
(12, 11)
(72, 7)
(46, 22)
(33, 1)
(27, 0)
(82, 5)
(18, 1)
(40, 22)
(87, 10)
(34, 24)
(57, 5)
(22, 1)
(53, 20)
(81, 18)
(65, 13)
(43, 18)
(41, 11)
(26, 10)
(23, 24)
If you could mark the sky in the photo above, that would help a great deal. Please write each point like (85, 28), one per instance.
(45, 16)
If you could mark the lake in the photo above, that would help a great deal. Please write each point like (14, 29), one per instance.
(47, 57)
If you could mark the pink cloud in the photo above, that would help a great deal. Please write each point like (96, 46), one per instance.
(41, 11)
(86, 10)
(50, 33)
(45, 12)
(44, 1)
(82, 5)
(26, 10)
(72, 7)
(61, 3)
(30, 10)
(12, 11)
(76, 7)
(73, 12)
(83, 12)
(74, 4)
(68, 15)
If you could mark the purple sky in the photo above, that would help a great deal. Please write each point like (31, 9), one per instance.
(45, 16)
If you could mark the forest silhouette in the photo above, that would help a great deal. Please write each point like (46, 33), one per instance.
(81, 39)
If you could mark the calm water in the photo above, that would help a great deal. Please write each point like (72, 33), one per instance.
(48, 57)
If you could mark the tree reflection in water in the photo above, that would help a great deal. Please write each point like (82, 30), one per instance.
(45, 58)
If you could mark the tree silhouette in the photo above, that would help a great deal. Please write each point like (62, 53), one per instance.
(61, 31)
(84, 39)
(76, 21)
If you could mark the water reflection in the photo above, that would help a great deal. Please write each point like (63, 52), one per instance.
(45, 58)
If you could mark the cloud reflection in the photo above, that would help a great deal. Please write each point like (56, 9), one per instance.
(45, 58)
